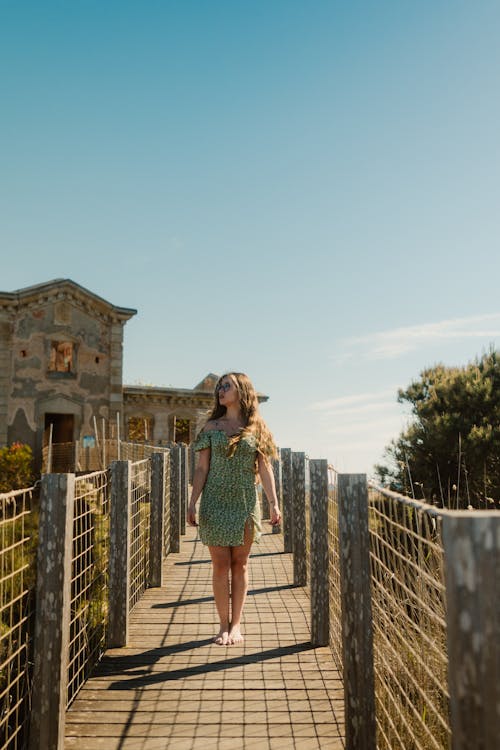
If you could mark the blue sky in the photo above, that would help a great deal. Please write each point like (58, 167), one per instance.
(305, 191)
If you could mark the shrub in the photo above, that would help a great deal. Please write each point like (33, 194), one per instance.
(16, 467)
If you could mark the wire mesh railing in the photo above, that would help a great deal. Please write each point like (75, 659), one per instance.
(335, 603)
(409, 624)
(140, 523)
(138, 451)
(18, 530)
(89, 578)
(86, 456)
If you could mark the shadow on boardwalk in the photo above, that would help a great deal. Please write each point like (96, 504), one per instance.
(173, 688)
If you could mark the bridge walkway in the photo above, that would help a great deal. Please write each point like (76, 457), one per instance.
(171, 687)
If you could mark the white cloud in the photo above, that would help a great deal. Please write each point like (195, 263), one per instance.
(393, 343)
(359, 426)
(386, 426)
(346, 403)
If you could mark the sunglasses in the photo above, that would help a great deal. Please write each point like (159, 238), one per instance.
(223, 387)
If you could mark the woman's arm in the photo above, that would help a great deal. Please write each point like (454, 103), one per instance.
(267, 478)
(199, 479)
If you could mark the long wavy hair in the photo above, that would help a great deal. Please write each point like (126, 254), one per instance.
(249, 407)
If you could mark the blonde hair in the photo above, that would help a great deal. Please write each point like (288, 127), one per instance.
(249, 407)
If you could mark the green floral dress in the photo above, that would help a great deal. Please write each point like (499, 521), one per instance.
(229, 496)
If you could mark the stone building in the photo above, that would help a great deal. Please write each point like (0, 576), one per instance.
(163, 415)
(61, 361)
(61, 353)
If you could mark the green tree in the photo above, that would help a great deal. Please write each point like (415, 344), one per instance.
(450, 453)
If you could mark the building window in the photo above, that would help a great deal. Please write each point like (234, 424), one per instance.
(140, 429)
(61, 356)
(182, 430)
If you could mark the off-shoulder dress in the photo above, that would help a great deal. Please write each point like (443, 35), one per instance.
(229, 497)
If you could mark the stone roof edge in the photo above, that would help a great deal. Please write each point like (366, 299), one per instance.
(159, 390)
(48, 287)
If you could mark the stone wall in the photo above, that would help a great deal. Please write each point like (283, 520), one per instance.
(163, 405)
(60, 353)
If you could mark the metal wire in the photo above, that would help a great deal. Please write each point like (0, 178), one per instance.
(140, 518)
(18, 527)
(409, 625)
(334, 570)
(78, 456)
(89, 578)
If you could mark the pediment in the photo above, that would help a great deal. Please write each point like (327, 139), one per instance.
(61, 293)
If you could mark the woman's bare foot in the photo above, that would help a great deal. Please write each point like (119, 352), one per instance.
(235, 635)
(222, 637)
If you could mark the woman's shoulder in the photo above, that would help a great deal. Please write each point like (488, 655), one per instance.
(211, 425)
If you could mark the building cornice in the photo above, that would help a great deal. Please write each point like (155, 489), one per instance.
(180, 396)
(64, 290)
(156, 394)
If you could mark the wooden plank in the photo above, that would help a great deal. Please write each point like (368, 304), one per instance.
(172, 684)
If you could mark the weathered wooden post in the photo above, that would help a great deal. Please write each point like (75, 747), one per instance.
(287, 492)
(320, 582)
(299, 519)
(357, 628)
(175, 498)
(184, 485)
(472, 573)
(264, 503)
(53, 612)
(277, 481)
(167, 511)
(192, 463)
(157, 519)
(119, 553)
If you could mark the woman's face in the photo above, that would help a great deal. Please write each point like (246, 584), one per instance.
(228, 392)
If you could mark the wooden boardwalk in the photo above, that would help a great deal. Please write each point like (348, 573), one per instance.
(173, 688)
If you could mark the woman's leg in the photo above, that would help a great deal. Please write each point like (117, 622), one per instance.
(239, 582)
(221, 564)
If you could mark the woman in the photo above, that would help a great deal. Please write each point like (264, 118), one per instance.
(233, 448)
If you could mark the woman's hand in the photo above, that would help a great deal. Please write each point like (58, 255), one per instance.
(191, 514)
(275, 515)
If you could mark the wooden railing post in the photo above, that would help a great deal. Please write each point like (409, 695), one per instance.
(53, 612)
(167, 511)
(263, 503)
(277, 482)
(299, 519)
(184, 485)
(119, 553)
(192, 463)
(472, 572)
(357, 628)
(157, 519)
(175, 498)
(320, 582)
(287, 491)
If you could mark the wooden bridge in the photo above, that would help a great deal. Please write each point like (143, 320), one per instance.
(171, 687)
(377, 601)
